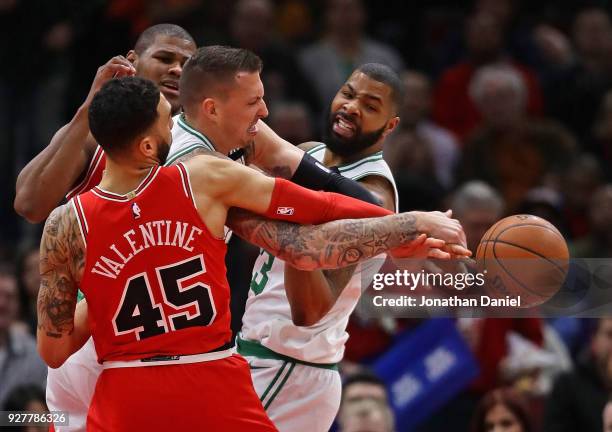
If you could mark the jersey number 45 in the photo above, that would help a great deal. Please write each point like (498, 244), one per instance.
(139, 314)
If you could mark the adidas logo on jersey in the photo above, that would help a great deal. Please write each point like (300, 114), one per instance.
(136, 211)
(284, 211)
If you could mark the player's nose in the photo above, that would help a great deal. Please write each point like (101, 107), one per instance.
(176, 69)
(263, 110)
(351, 108)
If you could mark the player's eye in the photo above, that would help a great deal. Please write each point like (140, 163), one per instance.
(164, 59)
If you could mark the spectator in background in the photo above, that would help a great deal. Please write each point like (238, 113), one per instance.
(580, 73)
(344, 46)
(502, 410)
(412, 162)
(453, 106)
(365, 406)
(477, 206)
(510, 151)
(28, 283)
(414, 115)
(578, 398)
(363, 385)
(598, 243)
(19, 361)
(252, 28)
(30, 398)
(366, 416)
(583, 177)
(545, 202)
(292, 121)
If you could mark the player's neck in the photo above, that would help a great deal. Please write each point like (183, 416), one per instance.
(125, 177)
(206, 130)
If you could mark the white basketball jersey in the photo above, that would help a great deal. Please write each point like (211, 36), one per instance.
(186, 139)
(267, 317)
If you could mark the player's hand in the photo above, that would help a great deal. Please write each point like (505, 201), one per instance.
(420, 248)
(441, 226)
(116, 67)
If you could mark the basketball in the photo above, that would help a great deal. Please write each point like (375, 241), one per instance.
(523, 256)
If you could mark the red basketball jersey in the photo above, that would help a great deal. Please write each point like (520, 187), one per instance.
(154, 278)
(93, 175)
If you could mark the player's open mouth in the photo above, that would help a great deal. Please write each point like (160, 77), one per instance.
(343, 127)
(253, 129)
(170, 87)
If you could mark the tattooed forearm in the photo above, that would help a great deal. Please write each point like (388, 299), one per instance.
(327, 246)
(62, 259)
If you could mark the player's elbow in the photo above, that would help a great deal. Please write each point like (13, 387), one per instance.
(28, 209)
(297, 260)
(51, 356)
(307, 318)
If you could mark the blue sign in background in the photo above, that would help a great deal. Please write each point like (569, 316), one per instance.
(425, 369)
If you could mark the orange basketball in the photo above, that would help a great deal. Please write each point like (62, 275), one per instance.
(523, 255)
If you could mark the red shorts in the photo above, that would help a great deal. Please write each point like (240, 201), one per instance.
(208, 396)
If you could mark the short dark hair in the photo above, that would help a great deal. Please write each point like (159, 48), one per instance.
(384, 74)
(122, 110)
(147, 37)
(211, 66)
(362, 377)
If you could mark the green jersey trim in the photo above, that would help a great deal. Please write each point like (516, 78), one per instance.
(185, 126)
(373, 158)
(315, 149)
(280, 387)
(255, 349)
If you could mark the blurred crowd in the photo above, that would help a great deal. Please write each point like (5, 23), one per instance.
(508, 109)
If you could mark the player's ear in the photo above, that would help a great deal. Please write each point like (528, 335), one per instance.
(147, 148)
(132, 57)
(209, 108)
(391, 125)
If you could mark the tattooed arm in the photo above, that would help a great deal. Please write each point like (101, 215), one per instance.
(327, 246)
(62, 258)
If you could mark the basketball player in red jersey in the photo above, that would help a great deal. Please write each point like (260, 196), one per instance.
(154, 273)
(73, 162)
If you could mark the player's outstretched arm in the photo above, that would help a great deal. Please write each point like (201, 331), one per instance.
(46, 179)
(344, 242)
(222, 182)
(62, 258)
(327, 246)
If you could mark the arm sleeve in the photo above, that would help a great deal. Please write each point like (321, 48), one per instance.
(294, 203)
(314, 175)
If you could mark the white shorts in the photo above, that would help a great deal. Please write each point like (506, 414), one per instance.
(71, 387)
(296, 397)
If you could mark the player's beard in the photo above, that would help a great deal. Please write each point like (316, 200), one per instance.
(346, 147)
(162, 152)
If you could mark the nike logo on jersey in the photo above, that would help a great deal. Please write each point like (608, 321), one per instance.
(285, 211)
